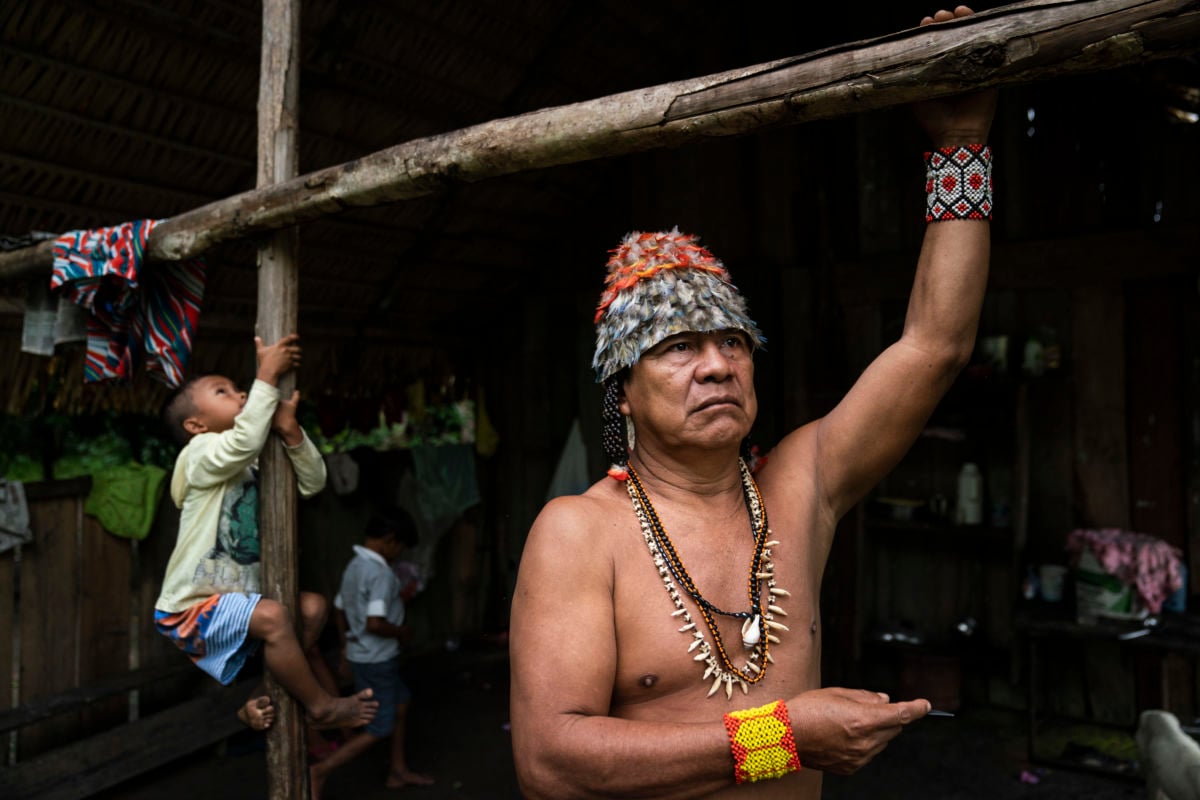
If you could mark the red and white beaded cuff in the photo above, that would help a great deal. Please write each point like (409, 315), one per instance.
(958, 183)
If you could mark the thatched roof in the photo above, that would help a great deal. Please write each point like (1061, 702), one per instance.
(123, 109)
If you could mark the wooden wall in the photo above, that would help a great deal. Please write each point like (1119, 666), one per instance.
(77, 607)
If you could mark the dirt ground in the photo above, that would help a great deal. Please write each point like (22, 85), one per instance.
(459, 733)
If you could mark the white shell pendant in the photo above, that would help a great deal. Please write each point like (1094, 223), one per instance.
(750, 632)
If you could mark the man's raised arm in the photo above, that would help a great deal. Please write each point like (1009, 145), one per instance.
(869, 431)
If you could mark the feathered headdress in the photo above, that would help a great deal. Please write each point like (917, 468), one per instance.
(658, 285)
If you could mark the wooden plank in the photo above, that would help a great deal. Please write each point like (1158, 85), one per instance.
(153, 553)
(78, 697)
(1021, 472)
(1191, 340)
(46, 490)
(1111, 682)
(1094, 259)
(1101, 454)
(89, 766)
(1013, 44)
(881, 215)
(153, 649)
(8, 627)
(278, 300)
(1157, 397)
(1051, 430)
(49, 615)
(105, 583)
(1155, 407)
(1178, 689)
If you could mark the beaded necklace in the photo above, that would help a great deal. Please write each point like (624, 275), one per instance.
(759, 624)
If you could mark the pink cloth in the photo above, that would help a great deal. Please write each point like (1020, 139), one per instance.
(1146, 562)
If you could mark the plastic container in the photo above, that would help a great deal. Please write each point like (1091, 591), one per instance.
(1102, 594)
(969, 509)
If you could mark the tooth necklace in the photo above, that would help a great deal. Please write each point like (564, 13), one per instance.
(759, 626)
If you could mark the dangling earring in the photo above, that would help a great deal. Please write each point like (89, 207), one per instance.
(613, 431)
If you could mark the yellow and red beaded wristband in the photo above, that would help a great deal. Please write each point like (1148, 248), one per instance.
(762, 743)
(958, 183)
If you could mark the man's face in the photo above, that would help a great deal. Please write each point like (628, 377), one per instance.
(216, 402)
(694, 389)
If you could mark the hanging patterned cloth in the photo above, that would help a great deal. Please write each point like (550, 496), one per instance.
(136, 312)
(14, 515)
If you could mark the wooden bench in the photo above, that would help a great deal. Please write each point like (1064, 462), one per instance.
(75, 699)
(100, 761)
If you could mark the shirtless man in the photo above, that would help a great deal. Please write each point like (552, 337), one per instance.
(665, 638)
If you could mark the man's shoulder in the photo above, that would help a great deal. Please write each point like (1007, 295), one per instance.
(581, 518)
(597, 500)
(572, 542)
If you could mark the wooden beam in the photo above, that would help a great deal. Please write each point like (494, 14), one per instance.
(1019, 43)
(278, 292)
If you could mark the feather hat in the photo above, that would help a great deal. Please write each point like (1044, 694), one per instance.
(660, 284)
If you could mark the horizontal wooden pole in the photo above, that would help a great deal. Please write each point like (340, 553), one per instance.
(1019, 43)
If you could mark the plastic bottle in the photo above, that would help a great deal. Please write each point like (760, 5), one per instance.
(969, 510)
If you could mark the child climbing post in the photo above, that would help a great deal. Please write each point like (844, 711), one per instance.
(210, 606)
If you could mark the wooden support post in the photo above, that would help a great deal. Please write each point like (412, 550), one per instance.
(278, 258)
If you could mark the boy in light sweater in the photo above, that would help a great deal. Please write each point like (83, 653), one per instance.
(210, 606)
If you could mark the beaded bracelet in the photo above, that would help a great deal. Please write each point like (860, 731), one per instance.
(958, 183)
(762, 742)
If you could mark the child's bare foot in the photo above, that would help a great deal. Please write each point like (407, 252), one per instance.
(353, 711)
(399, 778)
(257, 713)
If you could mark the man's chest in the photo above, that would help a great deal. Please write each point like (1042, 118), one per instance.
(686, 619)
